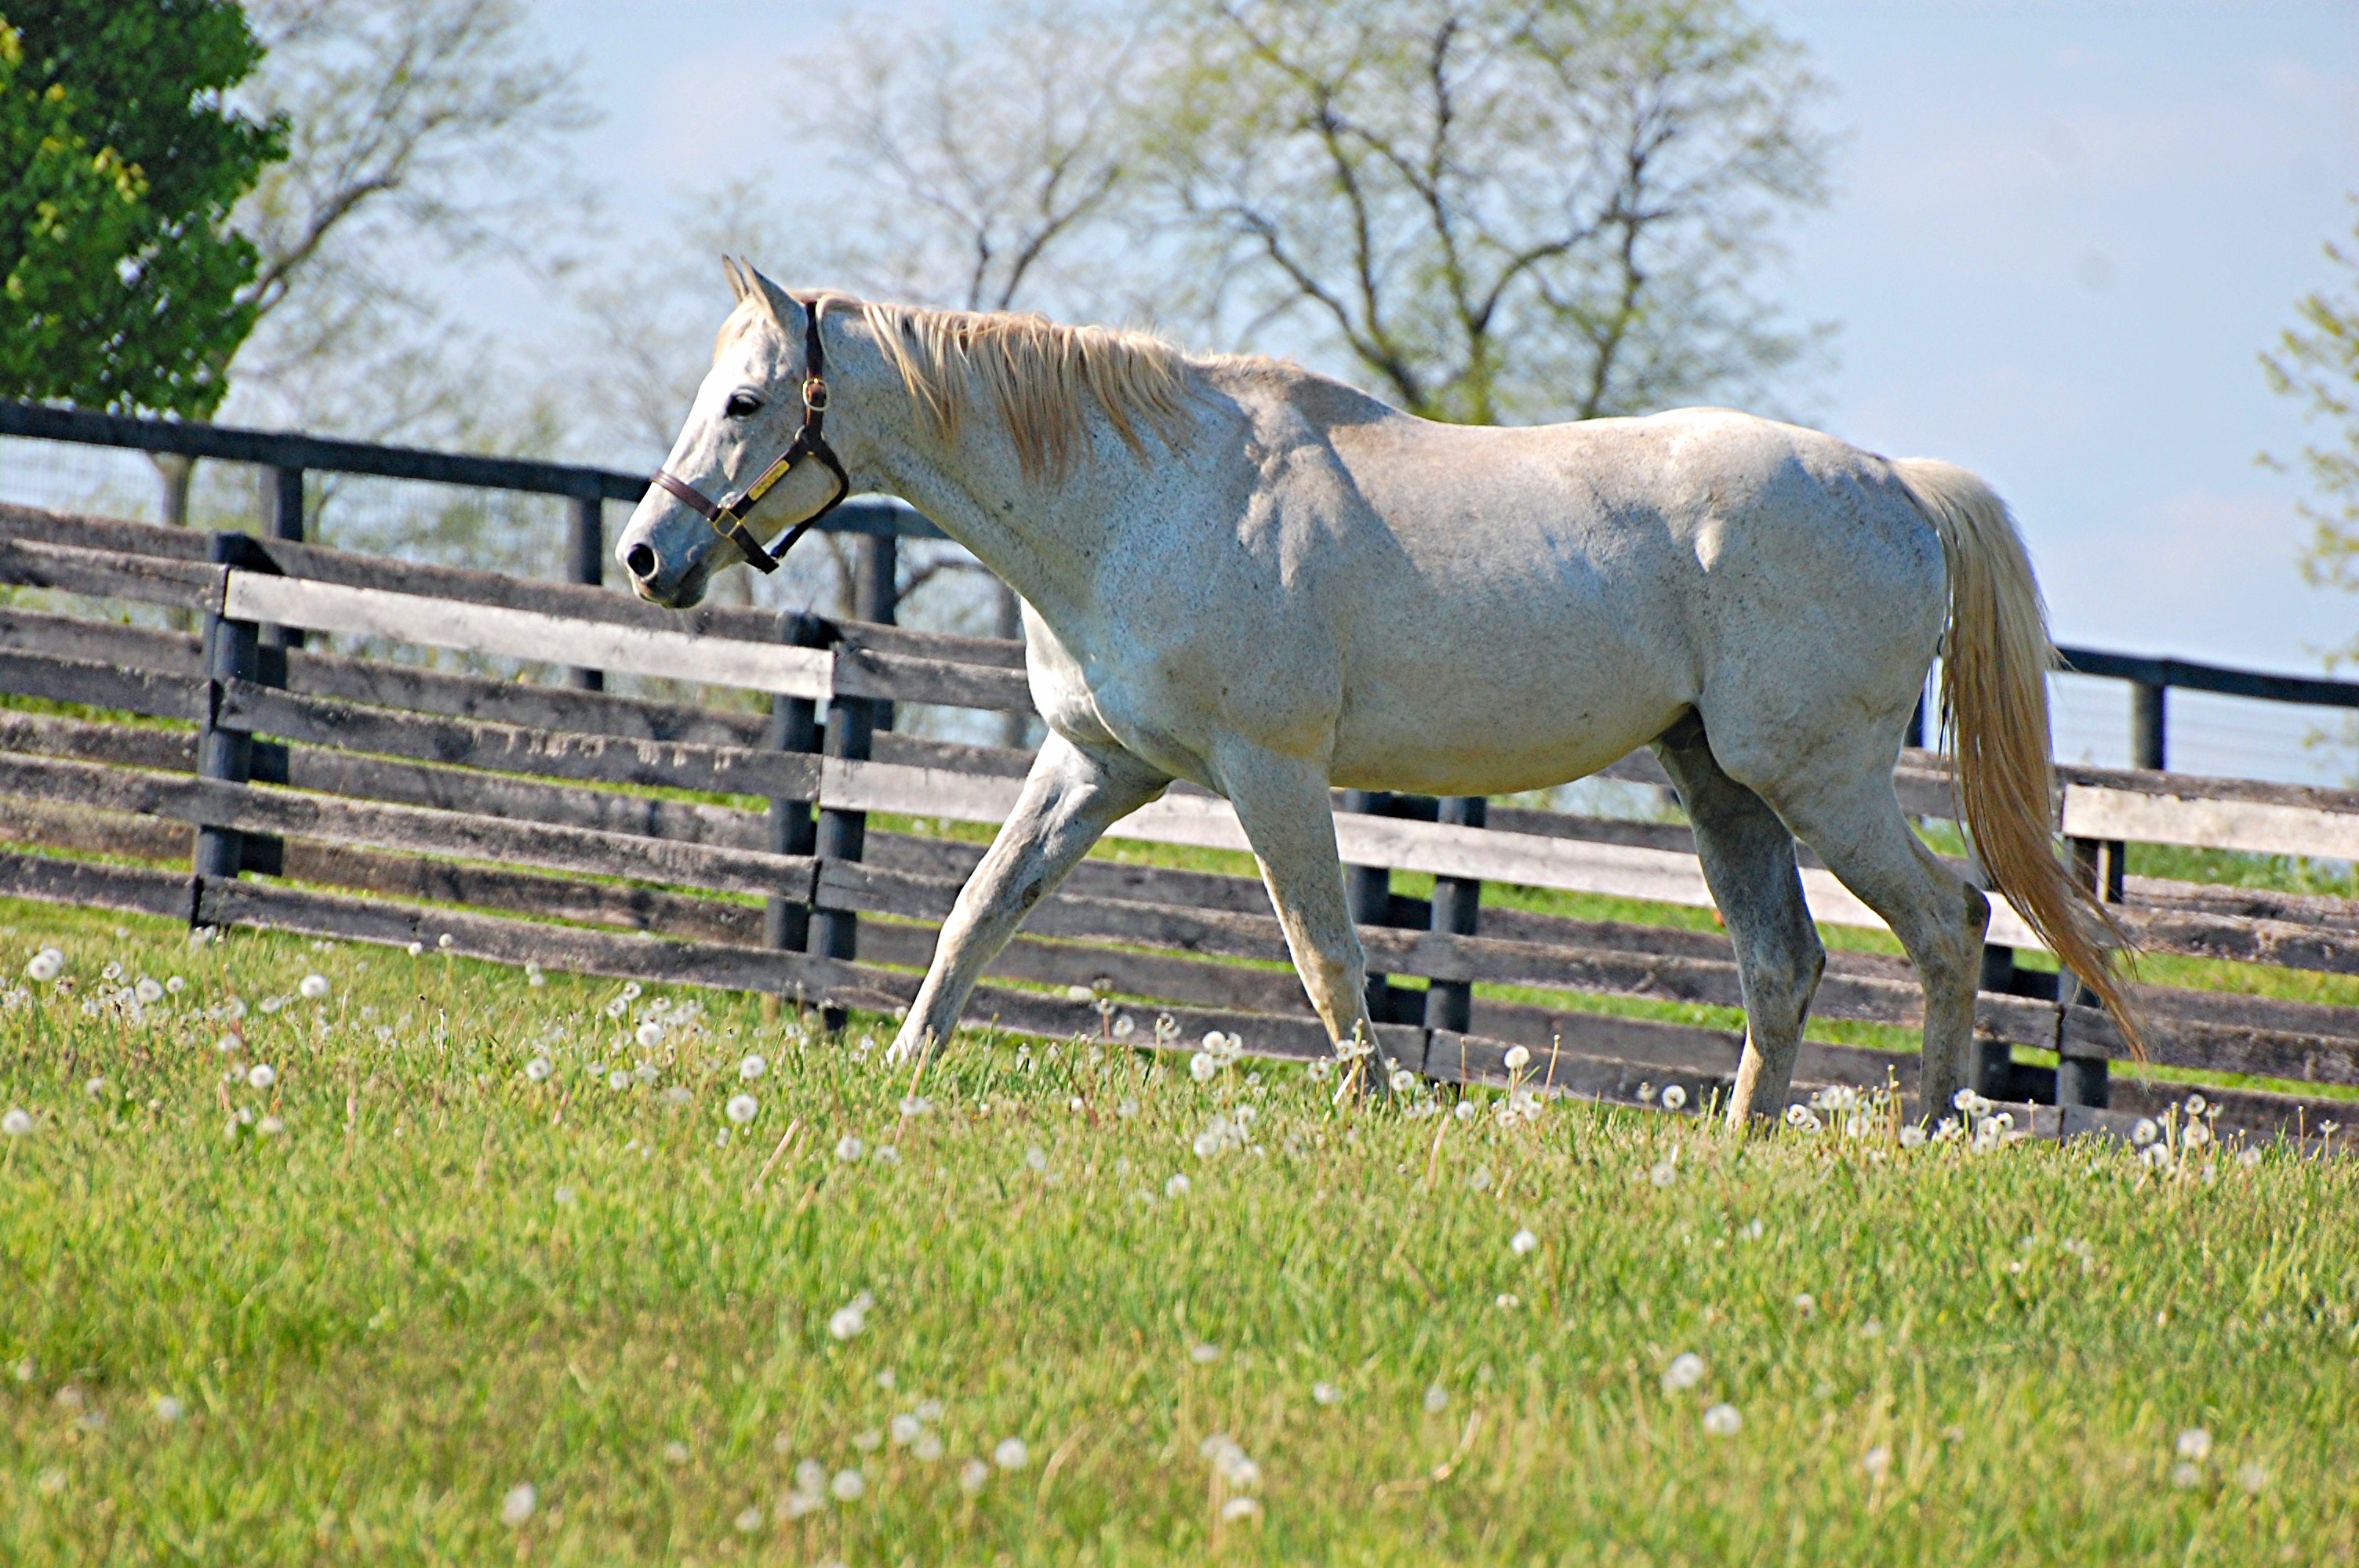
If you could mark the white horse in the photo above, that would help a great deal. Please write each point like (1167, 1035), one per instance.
(1246, 575)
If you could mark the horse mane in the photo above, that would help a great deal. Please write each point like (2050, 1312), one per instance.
(1039, 376)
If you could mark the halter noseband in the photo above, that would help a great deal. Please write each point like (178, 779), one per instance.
(728, 514)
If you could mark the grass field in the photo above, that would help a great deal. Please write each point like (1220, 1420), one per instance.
(398, 1300)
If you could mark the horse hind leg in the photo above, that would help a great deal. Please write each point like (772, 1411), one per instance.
(1748, 861)
(1846, 811)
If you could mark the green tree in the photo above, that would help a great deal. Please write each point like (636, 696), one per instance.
(2316, 362)
(120, 162)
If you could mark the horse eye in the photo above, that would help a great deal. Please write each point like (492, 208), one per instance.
(743, 404)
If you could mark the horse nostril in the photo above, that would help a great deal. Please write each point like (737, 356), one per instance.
(640, 561)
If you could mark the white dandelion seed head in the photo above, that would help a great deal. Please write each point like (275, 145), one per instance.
(2197, 1105)
(262, 1074)
(45, 966)
(1437, 1399)
(849, 1485)
(1912, 1136)
(1176, 1188)
(742, 1108)
(15, 1122)
(1326, 1393)
(1011, 1453)
(1036, 1158)
(847, 1322)
(974, 1475)
(2156, 1156)
(1518, 1057)
(915, 1105)
(416, 949)
(538, 1069)
(2249, 1158)
(619, 1079)
(1203, 1065)
(1663, 1174)
(1204, 1355)
(2184, 1476)
(518, 1505)
(1805, 1302)
(748, 1520)
(148, 991)
(649, 1034)
(2145, 1132)
(1240, 1508)
(2195, 1444)
(1523, 1243)
(905, 1429)
(754, 1067)
(1875, 1462)
(926, 1446)
(1674, 1097)
(647, 1071)
(229, 1044)
(169, 1409)
(2252, 1477)
(94, 1088)
(848, 1148)
(2196, 1136)
(313, 987)
(1685, 1372)
(1722, 1420)
(270, 1127)
(1402, 1080)
(444, 942)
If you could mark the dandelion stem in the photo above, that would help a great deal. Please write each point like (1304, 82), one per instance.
(794, 1128)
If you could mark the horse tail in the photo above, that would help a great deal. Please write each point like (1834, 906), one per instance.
(1995, 658)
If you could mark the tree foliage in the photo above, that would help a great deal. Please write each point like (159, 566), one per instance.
(1499, 210)
(2316, 362)
(120, 163)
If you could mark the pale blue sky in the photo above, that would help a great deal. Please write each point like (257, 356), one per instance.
(2061, 235)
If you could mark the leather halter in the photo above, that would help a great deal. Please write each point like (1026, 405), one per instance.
(728, 514)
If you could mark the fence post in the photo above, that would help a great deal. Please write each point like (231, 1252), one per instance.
(1368, 890)
(841, 835)
(586, 550)
(282, 518)
(1457, 905)
(233, 652)
(794, 727)
(2148, 729)
(2082, 1079)
(876, 596)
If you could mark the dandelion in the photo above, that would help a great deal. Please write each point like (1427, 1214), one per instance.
(2156, 1156)
(16, 1122)
(2249, 1158)
(518, 1505)
(538, 1069)
(1176, 1188)
(45, 966)
(1875, 1462)
(94, 1088)
(2195, 1444)
(1464, 1110)
(1037, 1158)
(647, 1071)
(1203, 1065)
(1664, 1174)
(847, 1322)
(911, 1105)
(1204, 1355)
(675, 1451)
(313, 987)
(928, 1447)
(742, 1108)
(2145, 1132)
(565, 1197)
(1800, 1119)
(1124, 1027)
(1437, 1399)
(2252, 1477)
(849, 1485)
(1674, 1097)
(1805, 1302)
(754, 1067)
(1518, 1058)
(416, 949)
(905, 1429)
(2184, 1476)
(2197, 1105)
(1912, 1137)
(848, 1148)
(649, 1034)
(974, 1475)
(1326, 1394)
(1522, 1242)
(2196, 1136)
(678, 1094)
(748, 1520)
(1722, 1420)
(444, 942)
(1507, 1301)
(1236, 1508)
(618, 1079)
(1685, 1372)
(270, 1127)
(1402, 1080)
(1234, 1467)
(148, 991)
(1011, 1453)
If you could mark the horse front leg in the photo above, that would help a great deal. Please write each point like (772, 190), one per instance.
(1071, 796)
(1283, 803)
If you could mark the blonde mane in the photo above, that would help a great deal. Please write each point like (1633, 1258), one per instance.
(1039, 376)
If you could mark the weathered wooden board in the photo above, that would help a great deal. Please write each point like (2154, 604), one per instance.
(110, 574)
(2255, 826)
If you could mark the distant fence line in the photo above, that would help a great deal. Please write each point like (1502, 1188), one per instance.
(879, 523)
(384, 801)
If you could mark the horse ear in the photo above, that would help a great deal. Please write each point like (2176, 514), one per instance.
(739, 285)
(783, 306)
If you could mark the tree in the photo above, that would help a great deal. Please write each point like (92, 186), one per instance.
(2316, 362)
(1498, 210)
(120, 163)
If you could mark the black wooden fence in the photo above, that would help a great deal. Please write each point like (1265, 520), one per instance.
(378, 801)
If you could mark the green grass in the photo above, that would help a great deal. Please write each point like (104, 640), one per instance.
(439, 1279)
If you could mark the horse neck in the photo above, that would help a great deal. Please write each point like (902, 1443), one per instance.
(1043, 536)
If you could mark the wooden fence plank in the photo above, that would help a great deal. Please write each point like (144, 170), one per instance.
(110, 574)
(2253, 826)
(97, 684)
(515, 748)
(527, 634)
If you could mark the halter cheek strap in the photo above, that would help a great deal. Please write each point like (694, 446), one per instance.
(727, 515)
